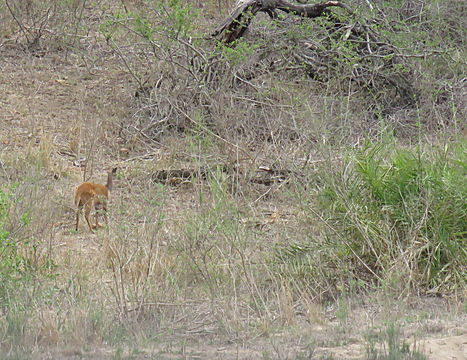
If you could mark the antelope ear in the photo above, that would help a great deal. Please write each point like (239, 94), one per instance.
(114, 170)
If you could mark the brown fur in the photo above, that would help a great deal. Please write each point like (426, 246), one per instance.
(90, 195)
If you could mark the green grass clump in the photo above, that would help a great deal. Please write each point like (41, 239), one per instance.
(389, 345)
(401, 214)
(10, 261)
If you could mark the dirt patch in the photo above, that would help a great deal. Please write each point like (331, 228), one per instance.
(448, 348)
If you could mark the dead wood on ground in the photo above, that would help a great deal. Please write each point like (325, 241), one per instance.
(263, 175)
(238, 21)
(375, 62)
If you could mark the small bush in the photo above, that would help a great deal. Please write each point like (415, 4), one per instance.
(388, 345)
(402, 213)
(10, 261)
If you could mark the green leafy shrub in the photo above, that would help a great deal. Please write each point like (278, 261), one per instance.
(402, 213)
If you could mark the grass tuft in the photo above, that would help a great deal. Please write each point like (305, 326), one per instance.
(402, 212)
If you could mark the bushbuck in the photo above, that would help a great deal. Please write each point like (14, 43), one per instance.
(90, 195)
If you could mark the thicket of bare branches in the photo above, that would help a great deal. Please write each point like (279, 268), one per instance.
(223, 78)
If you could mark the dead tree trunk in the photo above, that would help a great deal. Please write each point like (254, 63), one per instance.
(240, 18)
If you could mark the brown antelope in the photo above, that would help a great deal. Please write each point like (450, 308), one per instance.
(90, 195)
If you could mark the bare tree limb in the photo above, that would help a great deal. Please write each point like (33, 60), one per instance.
(238, 21)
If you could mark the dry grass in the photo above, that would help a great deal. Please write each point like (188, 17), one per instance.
(187, 270)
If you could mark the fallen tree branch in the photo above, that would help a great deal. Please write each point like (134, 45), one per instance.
(240, 18)
(177, 176)
(264, 175)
